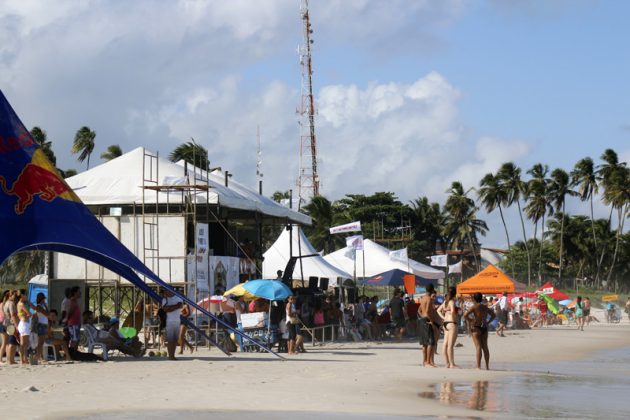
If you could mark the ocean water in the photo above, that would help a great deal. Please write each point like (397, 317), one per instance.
(596, 388)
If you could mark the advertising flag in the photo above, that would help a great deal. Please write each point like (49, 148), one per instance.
(438, 260)
(455, 268)
(399, 255)
(355, 242)
(348, 227)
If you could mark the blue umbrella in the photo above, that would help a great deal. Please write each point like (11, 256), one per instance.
(393, 278)
(268, 289)
(565, 302)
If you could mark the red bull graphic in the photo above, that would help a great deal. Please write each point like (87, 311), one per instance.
(38, 178)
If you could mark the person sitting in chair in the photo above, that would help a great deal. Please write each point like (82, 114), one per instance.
(113, 339)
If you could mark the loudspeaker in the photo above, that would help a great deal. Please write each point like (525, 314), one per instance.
(351, 294)
(312, 282)
(323, 283)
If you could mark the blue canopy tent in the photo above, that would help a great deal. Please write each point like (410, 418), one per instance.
(39, 211)
(393, 278)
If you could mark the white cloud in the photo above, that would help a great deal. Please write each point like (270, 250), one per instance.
(402, 138)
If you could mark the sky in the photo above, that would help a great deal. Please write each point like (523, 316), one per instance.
(410, 95)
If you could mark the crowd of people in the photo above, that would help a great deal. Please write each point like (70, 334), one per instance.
(26, 328)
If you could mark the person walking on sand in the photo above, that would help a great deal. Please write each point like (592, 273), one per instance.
(579, 313)
(172, 305)
(428, 322)
(480, 321)
(448, 312)
(627, 310)
(587, 310)
(502, 309)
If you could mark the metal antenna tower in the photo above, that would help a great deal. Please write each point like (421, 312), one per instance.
(308, 179)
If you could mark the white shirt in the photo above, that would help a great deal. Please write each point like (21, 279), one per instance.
(503, 303)
(173, 316)
(65, 307)
(41, 318)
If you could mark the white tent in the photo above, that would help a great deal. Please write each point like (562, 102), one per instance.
(377, 261)
(277, 256)
(119, 181)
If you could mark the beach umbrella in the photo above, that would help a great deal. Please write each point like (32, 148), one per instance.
(239, 290)
(572, 303)
(268, 289)
(565, 302)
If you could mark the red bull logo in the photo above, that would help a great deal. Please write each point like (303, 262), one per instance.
(38, 178)
(375, 279)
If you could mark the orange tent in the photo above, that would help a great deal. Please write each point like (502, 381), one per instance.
(490, 280)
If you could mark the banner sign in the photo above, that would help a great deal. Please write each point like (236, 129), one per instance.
(438, 260)
(348, 227)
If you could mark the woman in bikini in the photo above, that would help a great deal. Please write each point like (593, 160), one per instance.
(448, 313)
(480, 323)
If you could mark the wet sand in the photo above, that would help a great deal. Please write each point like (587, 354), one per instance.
(346, 379)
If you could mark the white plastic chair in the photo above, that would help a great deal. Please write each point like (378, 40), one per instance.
(93, 341)
(46, 352)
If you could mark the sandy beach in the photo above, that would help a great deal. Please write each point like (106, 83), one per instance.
(378, 379)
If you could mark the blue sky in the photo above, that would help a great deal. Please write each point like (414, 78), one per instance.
(411, 95)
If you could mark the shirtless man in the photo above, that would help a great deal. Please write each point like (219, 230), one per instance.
(480, 323)
(428, 327)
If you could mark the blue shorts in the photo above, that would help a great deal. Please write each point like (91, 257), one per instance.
(42, 329)
(13, 340)
(3, 328)
(75, 333)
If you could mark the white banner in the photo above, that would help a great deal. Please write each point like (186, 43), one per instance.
(438, 260)
(201, 238)
(348, 227)
(355, 242)
(455, 268)
(399, 255)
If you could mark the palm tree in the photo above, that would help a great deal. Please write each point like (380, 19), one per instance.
(586, 179)
(40, 138)
(192, 153)
(538, 205)
(84, 144)
(68, 173)
(492, 195)
(278, 196)
(112, 152)
(321, 211)
(462, 223)
(509, 176)
(558, 190)
(617, 195)
(429, 225)
(611, 174)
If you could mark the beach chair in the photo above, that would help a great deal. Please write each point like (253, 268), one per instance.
(93, 341)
